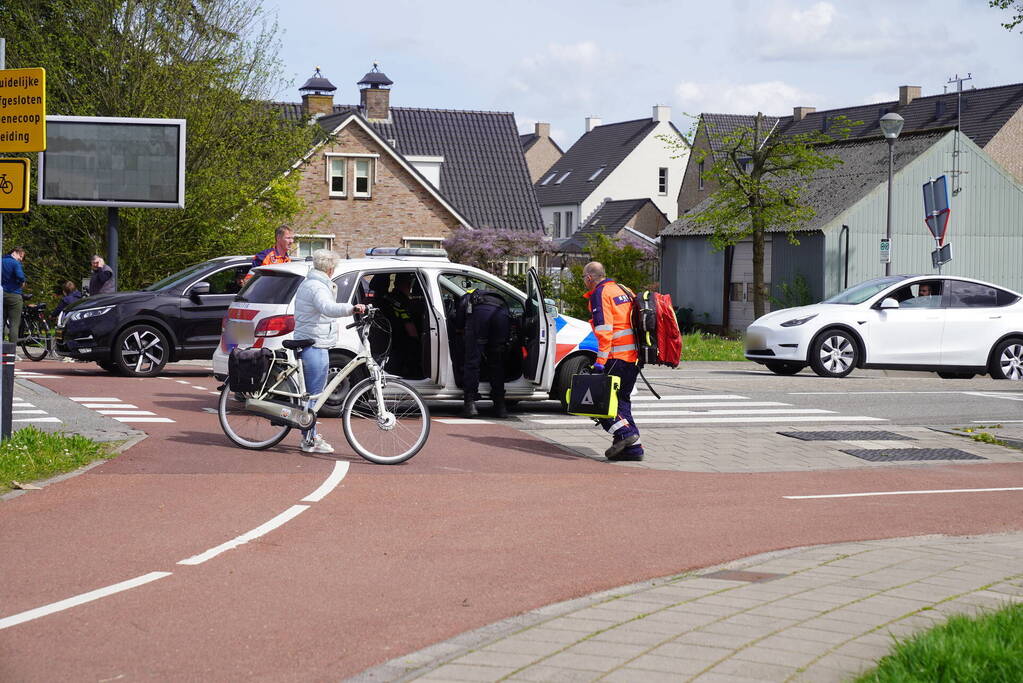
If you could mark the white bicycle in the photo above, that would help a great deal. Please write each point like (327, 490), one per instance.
(385, 420)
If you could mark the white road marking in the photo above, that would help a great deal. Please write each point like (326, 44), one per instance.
(844, 393)
(95, 399)
(461, 421)
(143, 419)
(900, 493)
(712, 404)
(331, 482)
(17, 403)
(993, 421)
(260, 530)
(31, 614)
(181, 381)
(194, 386)
(116, 404)
(691, 397)
(28, 412)
(783, 419)
(1004, 397)
(753, 411)
(36, 419)
(125, 412)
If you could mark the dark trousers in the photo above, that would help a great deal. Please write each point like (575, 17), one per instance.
(486, 333)
(13, 304)
(622, 424)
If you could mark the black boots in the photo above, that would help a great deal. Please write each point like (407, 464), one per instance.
(500, 409)
(469, 409)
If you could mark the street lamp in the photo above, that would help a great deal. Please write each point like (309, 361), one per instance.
(891, 126)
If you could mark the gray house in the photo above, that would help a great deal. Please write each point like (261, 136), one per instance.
(840, 246)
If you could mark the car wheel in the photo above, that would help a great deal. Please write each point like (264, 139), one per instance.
(141, 351)
(1007, 360)
(784, 368)
(572, 366)
(956, 375)
(834, 353)
(335, 402)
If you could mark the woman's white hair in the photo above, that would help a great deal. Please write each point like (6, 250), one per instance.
(325, 260)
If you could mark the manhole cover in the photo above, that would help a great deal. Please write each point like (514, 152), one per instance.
(848, 436)
(893, 454)
(736, 575)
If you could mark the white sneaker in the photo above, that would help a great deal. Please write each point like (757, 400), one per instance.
(316, 445)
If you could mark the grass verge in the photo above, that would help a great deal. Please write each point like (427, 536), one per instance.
(32, 454)
(985, 648)
(700, 346)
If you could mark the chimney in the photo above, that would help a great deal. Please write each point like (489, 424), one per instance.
(908, 93)
(542, 130)
(662, 112)
(375, 94)
(800, 113)
(592, 122)
(317, 96)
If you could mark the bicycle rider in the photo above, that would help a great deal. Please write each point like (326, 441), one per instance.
(316, 313)
(12, 277)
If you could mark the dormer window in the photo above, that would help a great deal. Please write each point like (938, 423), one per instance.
(562, 178)
(548, 178)
(597, 172)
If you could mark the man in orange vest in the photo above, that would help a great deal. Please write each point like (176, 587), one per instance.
(284, 237)
(611, 319)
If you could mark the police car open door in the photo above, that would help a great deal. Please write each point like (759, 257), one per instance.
(539, 335)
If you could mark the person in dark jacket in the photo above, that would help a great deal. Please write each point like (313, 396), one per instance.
(69, 295)
(102, 280)
(12, 277)
(484, 320)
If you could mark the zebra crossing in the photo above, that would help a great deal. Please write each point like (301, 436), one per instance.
(115, 408)
(23, 411)
(692, 409)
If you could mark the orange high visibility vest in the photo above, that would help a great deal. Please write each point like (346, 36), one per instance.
(611, 319)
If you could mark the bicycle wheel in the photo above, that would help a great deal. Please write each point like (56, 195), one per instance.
(246, 429)
(400, 431)
(36, 340)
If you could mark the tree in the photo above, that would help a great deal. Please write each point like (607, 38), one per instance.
(628, 260)
(1017, 7)
(757, 175)
(210, 62)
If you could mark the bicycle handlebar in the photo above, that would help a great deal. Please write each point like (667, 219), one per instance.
(370, 313)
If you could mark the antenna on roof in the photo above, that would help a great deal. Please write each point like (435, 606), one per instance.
(958, 80)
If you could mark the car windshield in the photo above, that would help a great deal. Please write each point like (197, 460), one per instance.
(857, 294)
(173, 279)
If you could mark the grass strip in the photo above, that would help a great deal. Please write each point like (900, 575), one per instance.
(700, 346)
(985, 649)
(32, 454)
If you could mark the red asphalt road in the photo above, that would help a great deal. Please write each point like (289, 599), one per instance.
(485, 523)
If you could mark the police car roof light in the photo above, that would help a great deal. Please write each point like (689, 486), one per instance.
(407, 251)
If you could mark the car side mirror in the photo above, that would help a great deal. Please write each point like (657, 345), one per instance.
(889, 302)
(551, 306)
(199, 288)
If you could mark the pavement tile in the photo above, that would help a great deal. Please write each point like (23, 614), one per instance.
(606, 649)
(726, 640)
(675, 665)
(584, 662)
(682, 619)
(783, 611)
(862, 650)
(550, 674)
(525, 646)
(700, 653)
(631, 675)
(821, 674)
(733, 602)
(769, 655)
(465, 672)
(786, 642)
(817, 636)
(571, 623)
(754, 670)
(547, 634)
(852, 665)
(839, 625)
(487, 657)
(628, 636)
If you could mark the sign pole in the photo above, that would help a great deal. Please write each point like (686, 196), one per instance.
(113, 222)
(5, 427)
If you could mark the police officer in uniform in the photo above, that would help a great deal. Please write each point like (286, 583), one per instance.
(484, 317)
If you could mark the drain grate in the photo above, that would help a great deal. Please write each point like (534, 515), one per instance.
(736, 575)
(847, 436)
(893, 454)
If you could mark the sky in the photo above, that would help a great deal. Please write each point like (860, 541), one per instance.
(559, 61)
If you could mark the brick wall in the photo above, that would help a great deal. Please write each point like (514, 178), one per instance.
(1006, 147)
(540, 157)
(690, 195)
(400, 205)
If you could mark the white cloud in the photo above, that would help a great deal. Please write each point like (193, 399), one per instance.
(770, 97)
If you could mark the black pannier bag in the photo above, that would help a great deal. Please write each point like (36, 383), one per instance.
(247, 369)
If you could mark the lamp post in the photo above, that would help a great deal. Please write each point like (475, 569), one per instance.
(891, 126)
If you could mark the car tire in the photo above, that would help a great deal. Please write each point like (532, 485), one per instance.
(141, 351)
(109, 366)
(780, 368)
(834, 353)
(335, 403)
(1007, 360)
(956, 375)
(572, 366)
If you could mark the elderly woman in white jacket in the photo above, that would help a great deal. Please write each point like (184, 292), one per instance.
(316, 313)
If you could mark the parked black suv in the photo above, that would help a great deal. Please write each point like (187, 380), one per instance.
(137, 333)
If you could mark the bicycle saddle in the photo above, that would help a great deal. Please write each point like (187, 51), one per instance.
(296, 344)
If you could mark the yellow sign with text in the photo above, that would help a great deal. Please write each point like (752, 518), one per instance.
(22, 110)
(14, 185)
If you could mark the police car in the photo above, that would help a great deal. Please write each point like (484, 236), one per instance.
(546, 348)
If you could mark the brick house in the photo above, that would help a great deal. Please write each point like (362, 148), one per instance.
(639, 218)
(401, 176)
(540, 149)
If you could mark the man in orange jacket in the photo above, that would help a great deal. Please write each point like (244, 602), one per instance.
(611, 319)
(284, 237)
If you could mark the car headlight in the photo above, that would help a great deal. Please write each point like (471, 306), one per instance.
(89, 313)
(795, 322)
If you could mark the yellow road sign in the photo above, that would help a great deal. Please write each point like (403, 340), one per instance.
(13, 185)
(22, 110)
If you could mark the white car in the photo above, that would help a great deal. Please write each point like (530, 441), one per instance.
(546, 350)
(954, 326)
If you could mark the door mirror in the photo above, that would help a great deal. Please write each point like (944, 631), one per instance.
(889, 302)
(552, 307)
(199, 288)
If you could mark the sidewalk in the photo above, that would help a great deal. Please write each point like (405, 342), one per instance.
(817, 614)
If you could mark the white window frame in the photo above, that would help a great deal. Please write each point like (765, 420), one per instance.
(557, 225)
(662, 181)
(343, 192)
(548, 179)
(329, 158)
(309, 237)
(563, 176)
(434, 242)
(568, 223)
(368, 192)
(597, 173)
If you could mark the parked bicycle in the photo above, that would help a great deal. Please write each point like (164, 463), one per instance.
(384, 419)
(35, 339)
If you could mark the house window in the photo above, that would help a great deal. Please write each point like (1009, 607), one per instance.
(363, 178)
(662, 181)
(305, 245)
(568, 223)
(516, 267)
(562, 178)
(699, 173)
(423, 242)
(338, 170)
(597, 172)
(548, 178)
(557, 225)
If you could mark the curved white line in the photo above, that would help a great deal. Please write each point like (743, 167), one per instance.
(266, 527)
(340, 470)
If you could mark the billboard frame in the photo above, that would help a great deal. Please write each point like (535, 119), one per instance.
(180, 124)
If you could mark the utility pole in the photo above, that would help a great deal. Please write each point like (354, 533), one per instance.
(958, 80)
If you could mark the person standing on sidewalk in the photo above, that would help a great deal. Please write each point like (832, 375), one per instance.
(611, 319)
(12, 278)
(102, 280)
